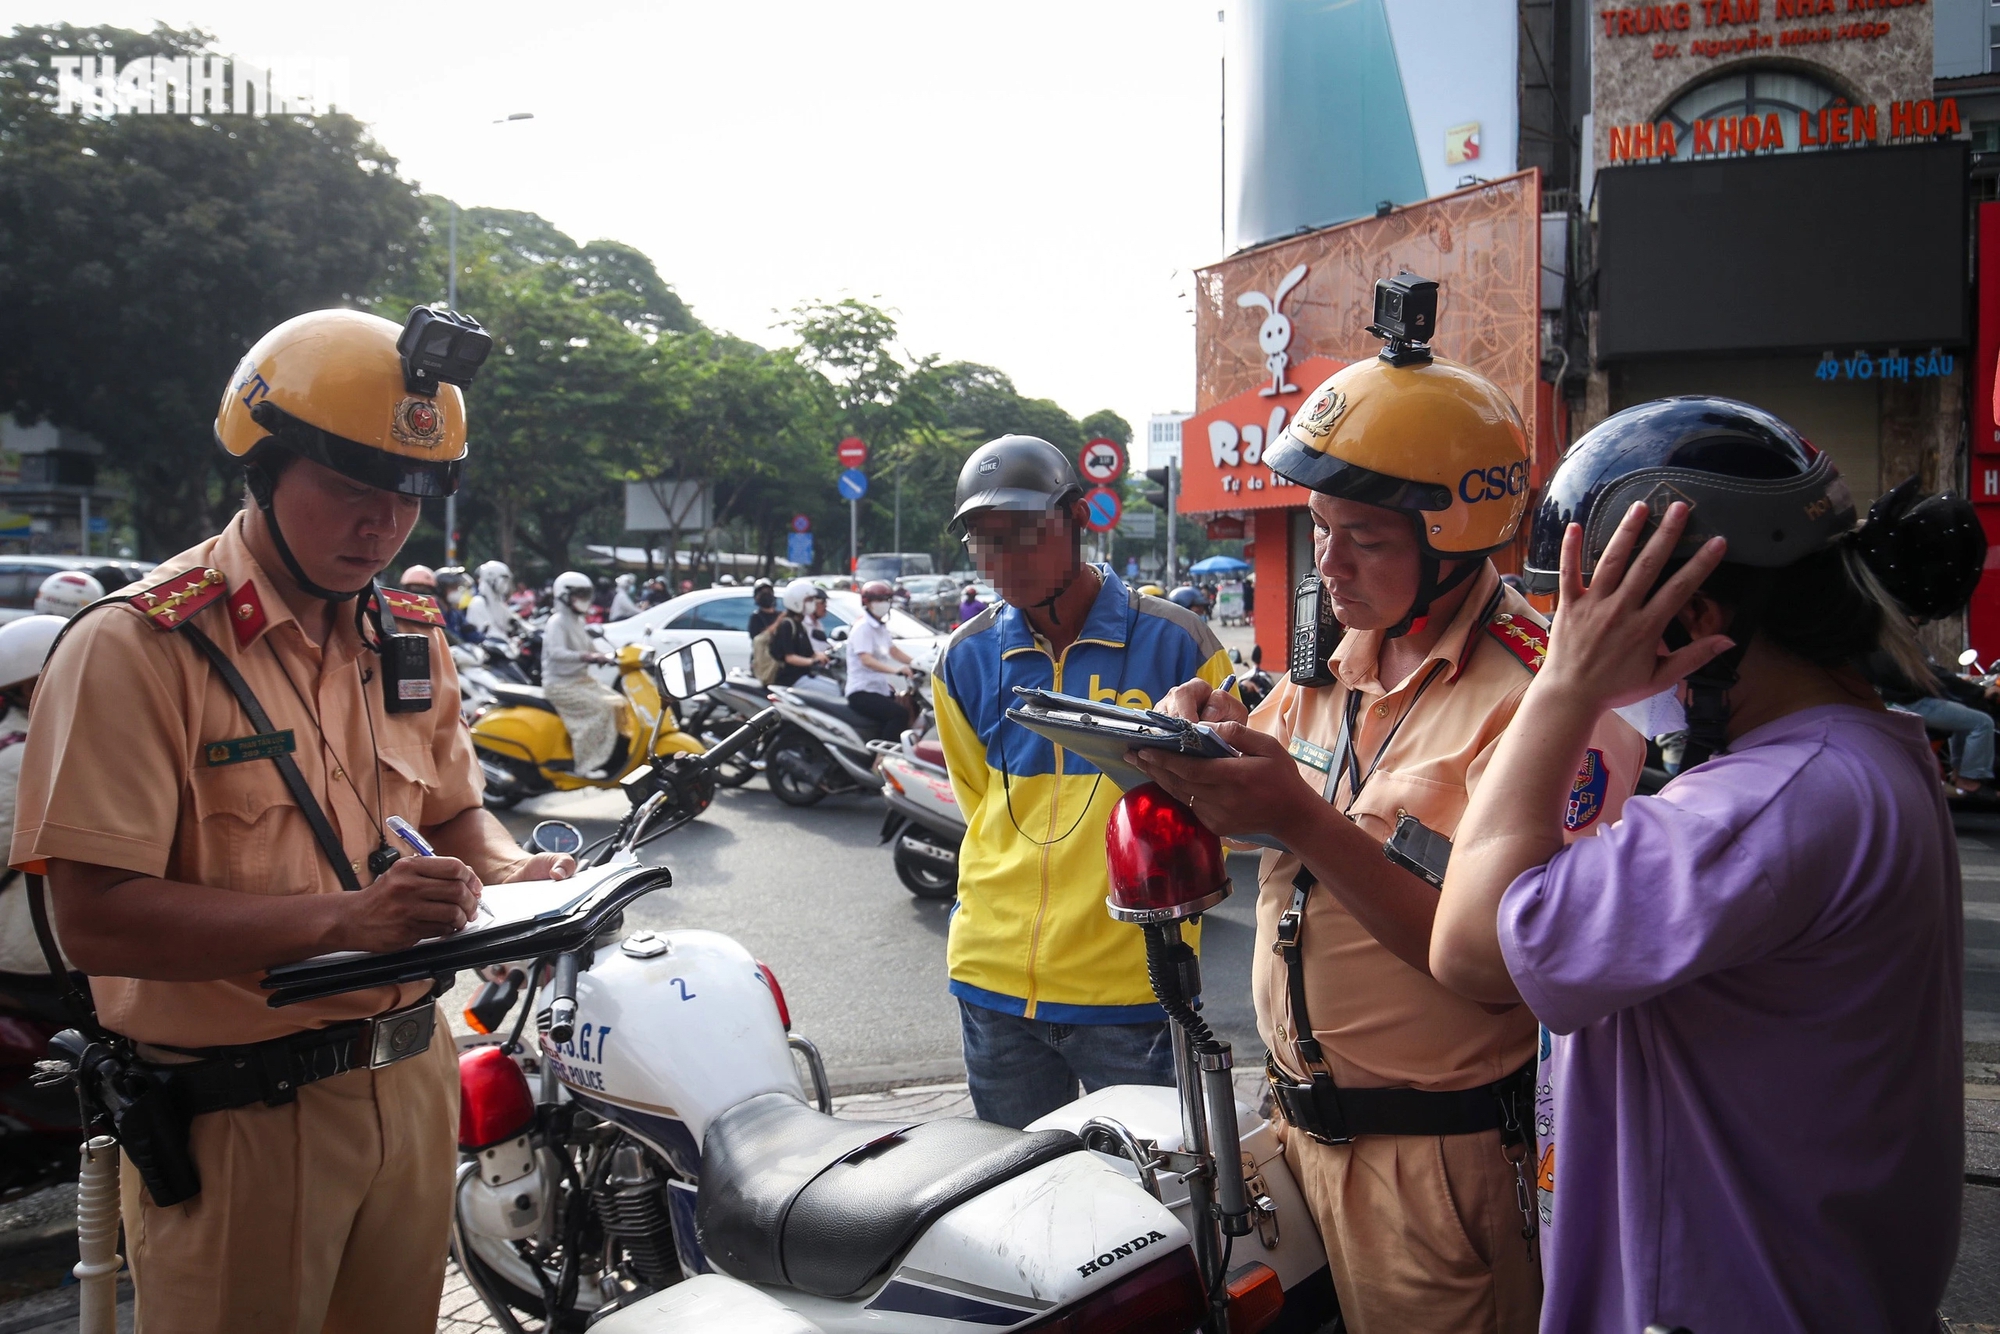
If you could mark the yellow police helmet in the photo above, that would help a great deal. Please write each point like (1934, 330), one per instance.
(375, 402)
(1152, 591)
(1431, 437)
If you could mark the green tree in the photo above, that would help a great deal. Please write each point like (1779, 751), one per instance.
(140, 256)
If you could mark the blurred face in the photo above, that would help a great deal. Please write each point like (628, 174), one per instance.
(342, 533)
(1027, 557)
(1367, 558)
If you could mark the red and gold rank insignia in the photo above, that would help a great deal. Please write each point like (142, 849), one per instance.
(169, 604)
(1523, 638)
(412, 606)
(246, 614)
(417, 422)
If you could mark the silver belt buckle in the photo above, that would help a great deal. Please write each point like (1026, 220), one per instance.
(401, 1034)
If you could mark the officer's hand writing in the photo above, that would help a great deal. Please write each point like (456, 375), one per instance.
(418, 898)
(1259, 793)
(1199, 702)
(545, 866)
(1604, 647)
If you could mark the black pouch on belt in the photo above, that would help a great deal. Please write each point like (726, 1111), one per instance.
(153, 1131)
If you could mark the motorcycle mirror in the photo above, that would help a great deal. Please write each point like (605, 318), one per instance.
(1969, 658)
(691, 669)
(554, 836)
(838, 634)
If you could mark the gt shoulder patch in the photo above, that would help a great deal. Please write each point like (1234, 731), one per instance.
(170, 603)
(412, 606)
(1586, 792)
(1528, 642)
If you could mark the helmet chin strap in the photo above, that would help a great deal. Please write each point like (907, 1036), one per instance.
(1429, 589)
(261, 490)
(1076, 572)
(1709, 685)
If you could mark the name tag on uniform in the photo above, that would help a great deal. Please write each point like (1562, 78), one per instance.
(1305, 752)
(262, 746)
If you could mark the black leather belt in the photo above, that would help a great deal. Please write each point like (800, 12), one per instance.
(1335, 1115)
(272, 1072)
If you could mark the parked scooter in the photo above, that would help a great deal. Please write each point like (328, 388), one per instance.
(483, 668)
(524, 749)
(924, 821)
(654, 1165)
(1254, 685)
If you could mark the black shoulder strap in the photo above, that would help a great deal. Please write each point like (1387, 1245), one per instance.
(80, 1006)
(329, 842)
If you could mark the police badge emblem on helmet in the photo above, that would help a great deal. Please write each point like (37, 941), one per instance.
(1318, 419)
(417, 422)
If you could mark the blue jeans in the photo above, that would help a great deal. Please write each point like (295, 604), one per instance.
(1020, 1070)
(1971, 735)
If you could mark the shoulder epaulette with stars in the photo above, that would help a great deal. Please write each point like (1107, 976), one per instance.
(1528, 642)
(170, 603)
(412, 606)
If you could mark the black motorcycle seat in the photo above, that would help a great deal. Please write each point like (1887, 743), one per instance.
(796, 1198)
(525, 697)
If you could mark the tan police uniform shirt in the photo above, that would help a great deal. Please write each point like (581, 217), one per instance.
(117, 773)
(1381, 1022)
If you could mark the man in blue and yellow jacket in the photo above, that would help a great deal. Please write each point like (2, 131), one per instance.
(1051, 990)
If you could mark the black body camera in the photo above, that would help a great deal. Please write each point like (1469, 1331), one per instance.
(1406, 312)
(1314, 634)
(406, 673)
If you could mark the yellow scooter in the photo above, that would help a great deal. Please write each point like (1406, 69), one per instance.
(524, 748)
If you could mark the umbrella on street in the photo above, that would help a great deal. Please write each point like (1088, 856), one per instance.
(1219, 565)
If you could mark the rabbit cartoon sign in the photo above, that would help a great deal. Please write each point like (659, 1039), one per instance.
(1275, 337)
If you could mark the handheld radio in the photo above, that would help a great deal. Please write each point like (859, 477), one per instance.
(1314, 634)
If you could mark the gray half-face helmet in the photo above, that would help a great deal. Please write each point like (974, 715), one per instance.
(1015, 472)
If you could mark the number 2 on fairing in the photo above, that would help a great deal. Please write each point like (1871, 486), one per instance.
(680, 984)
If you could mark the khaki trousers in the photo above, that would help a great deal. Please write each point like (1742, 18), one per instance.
(1423, 1233)
(332, 1213)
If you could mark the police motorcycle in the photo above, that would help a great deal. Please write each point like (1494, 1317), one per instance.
(524, 749)
(924, 825)
(824, 747)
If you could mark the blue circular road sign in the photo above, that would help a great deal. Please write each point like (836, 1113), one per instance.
(853, 484)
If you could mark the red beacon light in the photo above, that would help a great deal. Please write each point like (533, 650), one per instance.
(1165, 864)
(494, 1103)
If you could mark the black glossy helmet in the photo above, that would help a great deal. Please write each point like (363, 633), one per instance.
(1015, 472)
(1746, 475)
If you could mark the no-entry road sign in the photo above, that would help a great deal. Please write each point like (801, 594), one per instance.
(853, 452)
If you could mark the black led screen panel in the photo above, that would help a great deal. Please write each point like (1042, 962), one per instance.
(1798, 252)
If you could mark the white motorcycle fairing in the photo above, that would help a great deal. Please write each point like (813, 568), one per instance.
(1285, 1237)
(1003, 1259)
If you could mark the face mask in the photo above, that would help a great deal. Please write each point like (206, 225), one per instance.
(1656, 715)
(878, 610)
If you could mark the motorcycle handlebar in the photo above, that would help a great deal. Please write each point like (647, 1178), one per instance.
(740, 738)
(562, 1005)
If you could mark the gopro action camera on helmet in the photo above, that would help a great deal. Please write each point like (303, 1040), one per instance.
(1406, 312)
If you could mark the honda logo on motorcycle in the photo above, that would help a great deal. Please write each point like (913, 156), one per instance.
(1117, 1253)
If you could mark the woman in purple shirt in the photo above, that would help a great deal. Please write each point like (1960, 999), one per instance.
(1748, 1102)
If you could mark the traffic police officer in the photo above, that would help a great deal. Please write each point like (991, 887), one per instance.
(190, 845)
(1405, 1103)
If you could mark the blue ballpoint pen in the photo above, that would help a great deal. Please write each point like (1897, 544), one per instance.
(404, 830)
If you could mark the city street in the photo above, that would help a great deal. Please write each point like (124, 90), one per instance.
(861, 959)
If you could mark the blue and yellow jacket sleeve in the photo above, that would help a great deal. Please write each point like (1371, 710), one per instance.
(1031, 935)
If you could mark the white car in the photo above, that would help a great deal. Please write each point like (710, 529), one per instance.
(723, 614)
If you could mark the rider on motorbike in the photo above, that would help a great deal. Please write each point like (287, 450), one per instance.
(765, 599)
(791, 642)
(490, 613)
(877, 668)
(589, 710)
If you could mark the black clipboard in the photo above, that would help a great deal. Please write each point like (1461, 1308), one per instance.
(1102, 733)
(575, 911)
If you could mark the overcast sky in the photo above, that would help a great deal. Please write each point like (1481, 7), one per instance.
(1027, 184)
